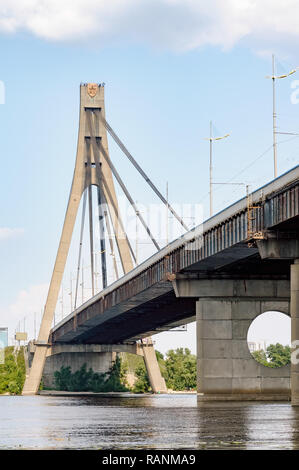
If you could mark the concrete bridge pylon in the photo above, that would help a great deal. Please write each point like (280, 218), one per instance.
(93, 167)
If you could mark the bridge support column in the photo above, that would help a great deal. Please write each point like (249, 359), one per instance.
(226, 369)
(224, 312)
(295, 332)
(288, 248)
(99, 362)
(98, 357)
(90, 169)
(153, 370)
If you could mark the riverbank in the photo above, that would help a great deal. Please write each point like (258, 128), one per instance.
(59, 393)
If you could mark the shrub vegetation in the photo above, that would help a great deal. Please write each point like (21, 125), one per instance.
(12, 372)
(85, 380)
(276, 355)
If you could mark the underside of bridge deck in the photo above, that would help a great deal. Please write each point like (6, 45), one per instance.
(146, 303)
(140, 318)
(141, 321)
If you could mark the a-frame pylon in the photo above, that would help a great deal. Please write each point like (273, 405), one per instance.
(93, 167)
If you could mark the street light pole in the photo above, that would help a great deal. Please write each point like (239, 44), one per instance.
(167, 208)
(274, 115)
(136, 235)
(82, 284)
(211, 171)
(71, 292)
(211, 138)
(61, 301)
(274, 118)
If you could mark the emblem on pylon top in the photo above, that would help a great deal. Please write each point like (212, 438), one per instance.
(92, 89)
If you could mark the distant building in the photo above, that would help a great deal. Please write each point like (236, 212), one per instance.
(3, 343)
(3, 337)
(256, 346)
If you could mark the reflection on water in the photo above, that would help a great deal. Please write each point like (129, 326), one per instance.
(161, 422)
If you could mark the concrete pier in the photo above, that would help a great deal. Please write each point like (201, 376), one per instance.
(295, 332)
(98, 362)
(226, 368)
(97, 357)
(156, 380)
(225, 310)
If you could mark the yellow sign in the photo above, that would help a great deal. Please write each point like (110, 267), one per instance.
(21, 336)
(92, 89)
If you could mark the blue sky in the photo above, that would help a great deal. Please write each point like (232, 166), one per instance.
(163, 86)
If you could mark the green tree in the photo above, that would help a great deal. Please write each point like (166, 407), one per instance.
(116, 378)
(12, 372)
(142, 384)
(261, 357)
(181, 369)
(96, 383)
(80, 380)
(279, 355)
(84, 380)
(178, 370)
(159, 355)
(276, 355)
(62, 378)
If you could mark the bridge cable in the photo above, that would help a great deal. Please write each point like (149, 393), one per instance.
(110, 235)
(102, 236)
(90, 215)
(98, 144)
(101, 177)
(128, 196)
(103, 214)
(139, 169)
(119, 220)
(120, 182)
(80, 246)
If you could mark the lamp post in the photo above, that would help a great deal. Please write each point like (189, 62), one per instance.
(276, 77)
(211, 139)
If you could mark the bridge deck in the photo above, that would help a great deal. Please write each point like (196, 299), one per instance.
(143, 301)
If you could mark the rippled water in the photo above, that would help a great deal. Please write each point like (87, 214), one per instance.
(160, 422)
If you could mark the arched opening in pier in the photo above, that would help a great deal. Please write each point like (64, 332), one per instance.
(269, 339)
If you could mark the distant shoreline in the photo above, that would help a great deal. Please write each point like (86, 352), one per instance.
(58, 393)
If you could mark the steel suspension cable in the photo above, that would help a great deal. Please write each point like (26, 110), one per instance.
(102, 181)
(140, 170)
(127, 194)
(102, 237)
(88, 182)
(80, 245)
(119, 220)
(110, 236)
(98, 144)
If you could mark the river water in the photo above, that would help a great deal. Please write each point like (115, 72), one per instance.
(151, 422)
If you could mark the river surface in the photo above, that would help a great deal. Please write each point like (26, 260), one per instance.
(151, 422)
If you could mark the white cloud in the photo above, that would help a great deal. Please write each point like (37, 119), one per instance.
(173, 24)
(7, 233)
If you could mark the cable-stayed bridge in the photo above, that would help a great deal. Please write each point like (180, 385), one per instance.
(223, 274)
